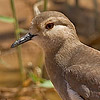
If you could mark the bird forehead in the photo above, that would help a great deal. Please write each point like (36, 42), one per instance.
(46, 15)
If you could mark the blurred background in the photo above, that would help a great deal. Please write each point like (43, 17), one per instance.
(22, 69)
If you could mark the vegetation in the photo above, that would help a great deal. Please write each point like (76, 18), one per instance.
(18, 31)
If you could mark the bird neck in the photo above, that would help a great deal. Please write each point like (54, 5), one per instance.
(64, 52)
(66, 44)
(67, 52)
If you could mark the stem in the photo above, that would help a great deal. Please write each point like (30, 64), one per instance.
(45, 5)
(96, 13)
(77, 3)
(17, 33)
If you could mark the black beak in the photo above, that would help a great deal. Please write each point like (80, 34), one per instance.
(22, 40)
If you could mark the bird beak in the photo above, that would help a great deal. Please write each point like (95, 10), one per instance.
(23, 39)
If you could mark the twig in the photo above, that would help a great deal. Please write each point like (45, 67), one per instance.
(45, 5)
(17, 33)
(36, 7)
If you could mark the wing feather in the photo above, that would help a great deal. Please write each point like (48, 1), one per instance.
(84, 80)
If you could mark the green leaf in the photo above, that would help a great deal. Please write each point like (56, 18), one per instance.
(43, 82)
(46, 84)
(7, 19)
(34, 78)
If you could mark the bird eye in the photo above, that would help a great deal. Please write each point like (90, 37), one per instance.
(49, 26)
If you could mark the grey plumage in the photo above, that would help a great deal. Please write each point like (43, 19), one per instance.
(73, 67)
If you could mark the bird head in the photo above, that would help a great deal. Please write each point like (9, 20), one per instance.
(49, 29)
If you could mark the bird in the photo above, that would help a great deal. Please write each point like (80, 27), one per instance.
(73, 67)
